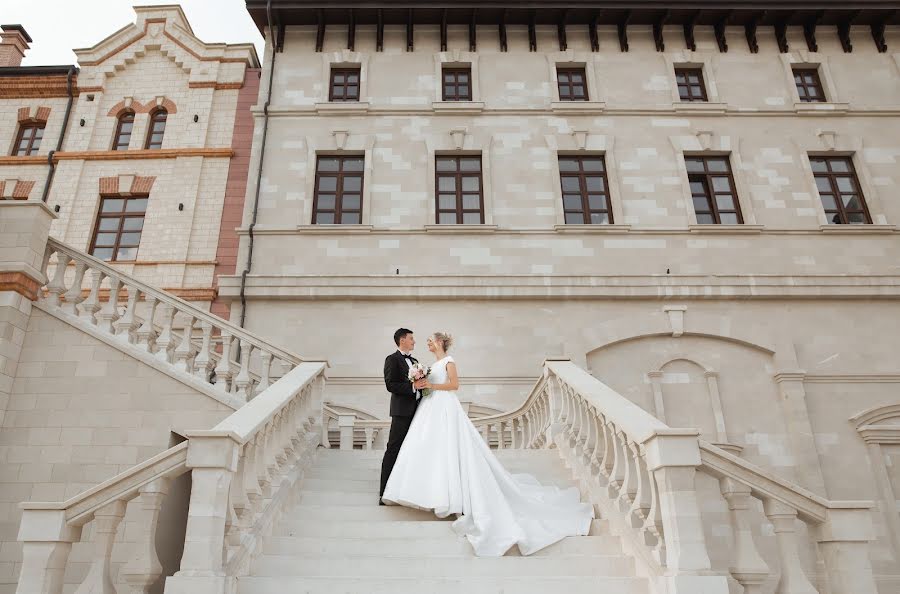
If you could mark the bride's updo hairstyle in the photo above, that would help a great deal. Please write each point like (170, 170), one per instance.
(444, 339)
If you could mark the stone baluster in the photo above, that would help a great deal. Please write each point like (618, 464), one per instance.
(127, 324)
(652, 530)
(57, 286)
(239, 499)
(242, 381)
(514, 427)
(165, 340)
(272, 449)
(46, 542)
(784, 520)
(106, 522)
(262, 468)
(212, 458)
(265, 358)
(747, 567)
(628, 489)
(381, 439)
(596, 460)
(203, 363)
(485, 435)
(640, 506)
(617, 472)
(185, 348)
(73, 297)
(223, 368)
(345, 426)
(90, 306)
(109, 313)
(146, 333)
(844, 540)
(251, 476)
(590, 435)
(144, 568)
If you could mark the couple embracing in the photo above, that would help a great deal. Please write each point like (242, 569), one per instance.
(436, 460)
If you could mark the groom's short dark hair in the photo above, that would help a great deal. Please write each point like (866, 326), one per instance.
(400, 334)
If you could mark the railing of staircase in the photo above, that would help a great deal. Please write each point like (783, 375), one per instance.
(242, 473)
(641, 474)
(232, 361)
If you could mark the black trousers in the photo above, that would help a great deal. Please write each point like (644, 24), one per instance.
(399, 429)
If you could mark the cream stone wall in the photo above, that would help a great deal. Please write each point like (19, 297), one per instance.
(767, 336)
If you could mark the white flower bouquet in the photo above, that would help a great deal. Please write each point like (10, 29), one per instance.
(418, 372)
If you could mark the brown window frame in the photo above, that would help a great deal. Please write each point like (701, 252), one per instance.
(117, 138)
(340, 175)
(705, 178)
(839, 209)
(122, 215)
(151, 128)
(686, 72)
(345, 70)
(816, 84)
(458, 175)
(582, 174)
(30, 148)
(450, 89)
(568, 71)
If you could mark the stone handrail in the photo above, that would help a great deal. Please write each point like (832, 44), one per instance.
(242, 472)
(641, 473)
(246, 365)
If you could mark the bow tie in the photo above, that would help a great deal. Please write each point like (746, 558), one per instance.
(407, 356)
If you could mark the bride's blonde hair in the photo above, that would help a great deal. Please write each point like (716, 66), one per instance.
(444, 339)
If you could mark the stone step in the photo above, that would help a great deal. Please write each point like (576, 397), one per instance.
(353, 513)
(519, 584)
(292, 525)
(504, 455)
(427, 547)
(426, 567)
(372, 485)
(358, 473)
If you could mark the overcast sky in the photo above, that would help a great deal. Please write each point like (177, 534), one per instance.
(58, 26)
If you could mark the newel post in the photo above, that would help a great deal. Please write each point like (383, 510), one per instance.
(673, 456)
(213, 458)
(844, 544)
(46, 541)
(555, 426)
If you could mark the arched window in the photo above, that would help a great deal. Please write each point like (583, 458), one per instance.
(123, 131)
(157, 129)
(29, 138)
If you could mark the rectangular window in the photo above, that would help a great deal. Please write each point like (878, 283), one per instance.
(585, 191)
(28, 141)
(344, 84)
(338, 193)
(457, 85)
(120, 222)
(572, 84)
(809, 85)
(690, 84)
(838, 186)
(712, 191)
(458, 190)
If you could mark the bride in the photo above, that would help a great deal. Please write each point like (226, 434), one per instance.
(445, 466)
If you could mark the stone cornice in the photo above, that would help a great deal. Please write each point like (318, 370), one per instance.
(511, 287)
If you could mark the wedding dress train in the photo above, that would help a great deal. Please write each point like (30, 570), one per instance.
(445, 466)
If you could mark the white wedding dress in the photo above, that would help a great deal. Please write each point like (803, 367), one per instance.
(445, 466)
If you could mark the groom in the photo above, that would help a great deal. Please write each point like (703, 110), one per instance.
(404, 399)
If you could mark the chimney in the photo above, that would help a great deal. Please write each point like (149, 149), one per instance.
(14, 41)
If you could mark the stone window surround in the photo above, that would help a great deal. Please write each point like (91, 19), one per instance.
(126, 186)
(339, 143)
(803, 58)
(27, 116)
(456, 59)
(713, 145)
(345, 59)
(573, 59)
(587, 144)
(142, 114)
(459, 142)
(831, 144)
(693, 59)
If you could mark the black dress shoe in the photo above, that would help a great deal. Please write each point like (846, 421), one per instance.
(380, 502)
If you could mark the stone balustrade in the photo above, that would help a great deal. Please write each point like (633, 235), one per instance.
(242, 476)
(215, 352)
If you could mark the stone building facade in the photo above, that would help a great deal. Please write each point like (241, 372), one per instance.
(712, 284)
(150, 170)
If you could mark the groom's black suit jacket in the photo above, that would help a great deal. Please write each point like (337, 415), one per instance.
(396, 380)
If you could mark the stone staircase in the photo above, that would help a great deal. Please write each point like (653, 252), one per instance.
(337, 539)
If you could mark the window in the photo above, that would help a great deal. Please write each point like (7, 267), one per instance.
(123, 131)
(572, 84)
(457, 85)
(119, 225)
(29, 139)
(712, 191)
(809, 85)
(585, 191)
(839, 190)
(690, 84)
(459, 190)
(338, 195)
(157, 129)
(344, 84)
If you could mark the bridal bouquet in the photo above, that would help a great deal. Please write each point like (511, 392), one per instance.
(417, 372)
